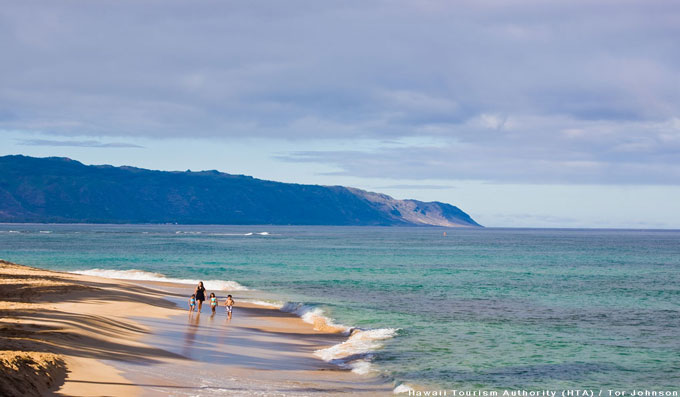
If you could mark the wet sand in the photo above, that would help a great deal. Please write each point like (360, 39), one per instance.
(120, 338)
(260, 351)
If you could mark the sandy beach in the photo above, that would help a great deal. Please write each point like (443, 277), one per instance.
(73, 335)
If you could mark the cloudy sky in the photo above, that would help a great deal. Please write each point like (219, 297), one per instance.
(523, 113)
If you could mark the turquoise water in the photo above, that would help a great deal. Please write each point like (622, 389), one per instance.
(488, 308)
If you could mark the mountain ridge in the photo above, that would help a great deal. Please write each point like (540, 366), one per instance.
(63, 190)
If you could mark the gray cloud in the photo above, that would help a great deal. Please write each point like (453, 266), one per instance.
(636, 153)
(560, 91)
(71, 143)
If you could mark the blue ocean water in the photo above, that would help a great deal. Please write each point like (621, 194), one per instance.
(482, 308)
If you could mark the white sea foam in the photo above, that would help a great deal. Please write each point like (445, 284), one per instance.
(217, 285)
(272, 304)
(355, 353)
(229, 234)
(315, 316)
(308, 313)
(358, 350)
(180, 232)
(45, 231)
(403, 388)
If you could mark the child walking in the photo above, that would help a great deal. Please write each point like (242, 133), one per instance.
(229, 304)
(192, 303)
(213, 302)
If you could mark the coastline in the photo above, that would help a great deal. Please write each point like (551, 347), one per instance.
(71, 334)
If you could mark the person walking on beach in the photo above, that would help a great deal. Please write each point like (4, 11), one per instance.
(229, 304)
(213, 302)
(192, 303)
(200, 295)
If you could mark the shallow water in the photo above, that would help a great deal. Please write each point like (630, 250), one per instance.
(491, 308)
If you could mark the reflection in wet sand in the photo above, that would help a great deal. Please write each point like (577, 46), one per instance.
(190, 334)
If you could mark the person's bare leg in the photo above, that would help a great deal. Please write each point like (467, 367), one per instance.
(200, 305)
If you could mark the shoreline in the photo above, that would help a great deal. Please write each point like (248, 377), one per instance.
(71, 334)
(452, 228)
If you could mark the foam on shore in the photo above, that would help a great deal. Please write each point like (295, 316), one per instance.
(355, 353)
(403, 388)
(140, 275)
(308, 313)
(315, 316)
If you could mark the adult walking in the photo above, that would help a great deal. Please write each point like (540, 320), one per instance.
(200, 295)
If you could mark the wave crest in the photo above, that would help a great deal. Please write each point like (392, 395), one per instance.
(315, 316)
(355, 353)
(141, 275)
(358, 350)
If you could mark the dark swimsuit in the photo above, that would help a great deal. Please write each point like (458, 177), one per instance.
(200, 295)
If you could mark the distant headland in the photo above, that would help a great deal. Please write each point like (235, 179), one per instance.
(61, 190)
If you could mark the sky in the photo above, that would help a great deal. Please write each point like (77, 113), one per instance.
(524, 113)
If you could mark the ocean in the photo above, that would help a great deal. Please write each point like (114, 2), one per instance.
(464, 309)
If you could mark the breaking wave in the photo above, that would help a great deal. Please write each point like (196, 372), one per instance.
(179, 232)
(356, 353)
(315, 316)
(140, 275)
